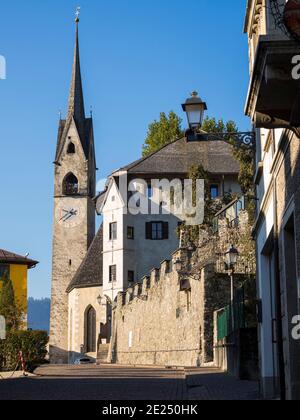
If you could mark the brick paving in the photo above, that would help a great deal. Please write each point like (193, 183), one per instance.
(213, 385)
(109, 383)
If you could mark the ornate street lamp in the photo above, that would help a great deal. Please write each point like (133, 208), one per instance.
(231, 257)
(195, 108)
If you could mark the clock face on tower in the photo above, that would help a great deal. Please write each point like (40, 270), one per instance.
(69, 213)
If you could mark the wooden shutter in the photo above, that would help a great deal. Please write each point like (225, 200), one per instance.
(148, 230)
(165, 230)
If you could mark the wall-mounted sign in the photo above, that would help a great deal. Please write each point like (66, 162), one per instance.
(291, 17)
(2, 328)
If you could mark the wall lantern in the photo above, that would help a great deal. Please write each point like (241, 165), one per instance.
(178, 265)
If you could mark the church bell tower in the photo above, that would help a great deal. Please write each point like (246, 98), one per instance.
(74, 212)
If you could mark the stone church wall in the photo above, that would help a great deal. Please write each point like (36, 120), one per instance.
(80, 300)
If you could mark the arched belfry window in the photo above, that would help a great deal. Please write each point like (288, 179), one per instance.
(70, 185)
(90, 330)
(71, 149)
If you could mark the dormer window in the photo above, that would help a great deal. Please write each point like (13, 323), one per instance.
(71, 149)
(71, 186)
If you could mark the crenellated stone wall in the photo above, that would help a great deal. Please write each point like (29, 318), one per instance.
(168, 318)
(157, 323)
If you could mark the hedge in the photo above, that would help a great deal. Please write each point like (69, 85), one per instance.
(31, 343)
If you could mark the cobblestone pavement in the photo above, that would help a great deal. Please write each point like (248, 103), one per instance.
(211, 384)
(108, 383)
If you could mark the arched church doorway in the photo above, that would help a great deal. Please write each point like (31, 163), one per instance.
(90, 330)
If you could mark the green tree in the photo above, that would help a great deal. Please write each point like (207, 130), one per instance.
(8, 306)
(211, 125)
(162, 132)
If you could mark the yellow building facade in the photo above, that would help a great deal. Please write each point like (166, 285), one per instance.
(15, 267)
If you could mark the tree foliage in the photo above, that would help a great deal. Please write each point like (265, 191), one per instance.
(31, 343)
(211, 125)
(162, 132)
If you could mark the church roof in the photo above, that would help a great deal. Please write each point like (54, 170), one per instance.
(7, 257)
(85, 136)
(76, 101)
(177, 158)
(89, 274)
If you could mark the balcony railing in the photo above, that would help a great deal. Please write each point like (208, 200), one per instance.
(231, 213)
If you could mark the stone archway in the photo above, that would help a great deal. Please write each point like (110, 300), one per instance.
(90, 330)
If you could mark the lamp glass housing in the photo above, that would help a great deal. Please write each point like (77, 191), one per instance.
(178, 265)
(195, 115)
(232, 256)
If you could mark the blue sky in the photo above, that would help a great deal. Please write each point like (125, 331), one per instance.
(138, 58)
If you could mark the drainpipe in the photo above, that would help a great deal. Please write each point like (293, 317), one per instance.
(278, 302)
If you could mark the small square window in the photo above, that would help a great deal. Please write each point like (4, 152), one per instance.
(130, 232)
(113, 231)
(149, 191)
(214, 191)
(112, 273)
(157, 231)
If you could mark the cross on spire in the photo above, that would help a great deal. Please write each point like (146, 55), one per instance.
(77, 14)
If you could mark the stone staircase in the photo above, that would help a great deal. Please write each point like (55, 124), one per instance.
(102, 354)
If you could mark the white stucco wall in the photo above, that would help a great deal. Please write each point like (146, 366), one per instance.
(113, 249)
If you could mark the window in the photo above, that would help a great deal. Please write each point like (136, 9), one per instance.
(90, 330)
(130, 276)
(157, 231)
(112, 273)
(71, 149)
(70, 186)
(4, 271)
(130, 232)
(214, 191)
(149, 191)
(113, 231)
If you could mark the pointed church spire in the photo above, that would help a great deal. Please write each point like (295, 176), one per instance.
(76, 101)
(76, 108)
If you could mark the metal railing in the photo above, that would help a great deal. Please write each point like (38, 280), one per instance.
(228, 323)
